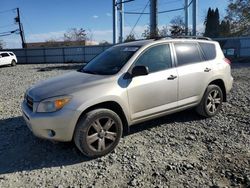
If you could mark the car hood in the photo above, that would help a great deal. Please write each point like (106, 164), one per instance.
(64, 85)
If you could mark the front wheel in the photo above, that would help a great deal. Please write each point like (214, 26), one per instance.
(211, 102)
(13, 63)
(98, 132)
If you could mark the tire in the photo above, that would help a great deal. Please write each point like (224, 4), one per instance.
(211, 102)
(98, 132)
(13, 63)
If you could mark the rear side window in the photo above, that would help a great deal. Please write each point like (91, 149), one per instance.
(11, 54)
(187, 53)
(208, 50)
(5, 54)
(156, 58)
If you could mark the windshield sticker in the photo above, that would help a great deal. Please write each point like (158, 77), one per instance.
(130, 49)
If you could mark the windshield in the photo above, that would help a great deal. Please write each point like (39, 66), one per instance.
(110, 61)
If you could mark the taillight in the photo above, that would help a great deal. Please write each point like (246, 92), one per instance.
(227, 61)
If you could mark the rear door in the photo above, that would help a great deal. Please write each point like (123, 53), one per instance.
(156, 92)
(193, 72)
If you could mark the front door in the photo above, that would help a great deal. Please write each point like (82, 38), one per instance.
(156, 92)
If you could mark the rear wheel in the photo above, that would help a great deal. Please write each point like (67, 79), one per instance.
(98, 132)
(13, 63)
(211, 102)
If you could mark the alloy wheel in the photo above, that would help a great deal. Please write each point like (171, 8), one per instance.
(102, 134)
(213, 101)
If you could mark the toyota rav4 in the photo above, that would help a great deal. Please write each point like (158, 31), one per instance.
(127, 84)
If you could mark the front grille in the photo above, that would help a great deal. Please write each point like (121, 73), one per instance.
(29, 102)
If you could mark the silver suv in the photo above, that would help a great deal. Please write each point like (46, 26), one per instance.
(127, 84)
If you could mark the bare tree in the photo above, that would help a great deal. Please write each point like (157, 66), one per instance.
(164, 31)
(177, 26)
(104, 43)
(75, 34)
(1, 44)
(51, 43)
(130, 37)
(147, 35)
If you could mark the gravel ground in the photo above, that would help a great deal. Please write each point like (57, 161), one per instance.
(179, 150)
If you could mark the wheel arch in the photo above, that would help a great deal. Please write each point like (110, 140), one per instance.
(111, 105)
(220, 83)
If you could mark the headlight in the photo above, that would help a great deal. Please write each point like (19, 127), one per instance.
(53, 104)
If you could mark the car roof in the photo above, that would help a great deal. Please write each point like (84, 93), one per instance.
(137, 43)
(144, 42)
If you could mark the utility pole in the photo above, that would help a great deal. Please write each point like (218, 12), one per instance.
(114, 22)
(186, 17)
(153, 18)
(121, 21)
(17, 19)
(194, 17)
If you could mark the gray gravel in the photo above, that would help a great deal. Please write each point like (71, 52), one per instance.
(179, 150)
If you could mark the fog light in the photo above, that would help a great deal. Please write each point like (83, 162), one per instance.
(51, 133)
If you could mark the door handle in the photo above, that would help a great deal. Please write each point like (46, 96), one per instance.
(207, 70)
(172, 77)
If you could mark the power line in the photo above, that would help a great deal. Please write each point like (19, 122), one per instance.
(172, 10)
(4, 11)
(12, 31)
(8, 25)
(139, 18)
(5, 35)
(160, 12)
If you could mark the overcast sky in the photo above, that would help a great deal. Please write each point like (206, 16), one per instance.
(49, 19)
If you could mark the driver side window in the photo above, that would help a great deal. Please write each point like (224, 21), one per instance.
(156, 58)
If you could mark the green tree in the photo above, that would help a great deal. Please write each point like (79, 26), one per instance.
(177, 26)
(216, 23)
(212, 23)
(208, 23)
(238, 15)
(224, 28)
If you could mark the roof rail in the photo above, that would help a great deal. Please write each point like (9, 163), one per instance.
(192, 37)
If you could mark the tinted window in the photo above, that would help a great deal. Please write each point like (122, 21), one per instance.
(11, 54)
(156, 58)
(110, 61)
(187, 53)
(5, 55)
(208, 50)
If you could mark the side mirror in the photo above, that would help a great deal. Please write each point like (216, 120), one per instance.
(140, 71)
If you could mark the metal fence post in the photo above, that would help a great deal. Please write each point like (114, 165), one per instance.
(63, 53)
(26, 57)
(44, 55)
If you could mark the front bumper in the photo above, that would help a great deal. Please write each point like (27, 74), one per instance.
(62, 123)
